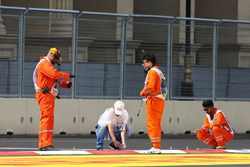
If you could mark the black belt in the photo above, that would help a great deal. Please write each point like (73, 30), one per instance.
(45, 90)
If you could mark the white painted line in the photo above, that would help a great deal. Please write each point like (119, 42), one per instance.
(62, 152)
(88, 151)
(164, 151)
(244, 151)
(173, 152)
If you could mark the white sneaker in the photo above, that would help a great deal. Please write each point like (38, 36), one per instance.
(153, 151)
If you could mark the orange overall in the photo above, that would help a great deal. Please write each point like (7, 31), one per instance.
(44, 76)
(216, 131)
(154, 106)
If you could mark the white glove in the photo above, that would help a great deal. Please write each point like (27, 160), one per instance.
(54, 92)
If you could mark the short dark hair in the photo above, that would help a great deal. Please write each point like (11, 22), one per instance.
(207, 103)
(149, 57)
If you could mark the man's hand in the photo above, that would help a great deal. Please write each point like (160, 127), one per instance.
(211, 125)
(142, 93)
(124, 145)
(69, 84)
(196, 131)
(117, 144)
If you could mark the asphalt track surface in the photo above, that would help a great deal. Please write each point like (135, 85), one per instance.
(174, 142)
(182, 142)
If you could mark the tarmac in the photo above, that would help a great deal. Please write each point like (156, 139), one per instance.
(73, 150)
(135, 142)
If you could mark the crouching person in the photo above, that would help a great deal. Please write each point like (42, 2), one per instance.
(113, 124)
(216, 130)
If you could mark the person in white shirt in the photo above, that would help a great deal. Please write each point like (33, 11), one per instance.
(113, 123)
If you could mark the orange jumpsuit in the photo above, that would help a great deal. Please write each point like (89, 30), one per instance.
(154, 105)
(45, 75)
(220, 133)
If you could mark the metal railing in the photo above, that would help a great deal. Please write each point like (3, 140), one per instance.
(202, 58)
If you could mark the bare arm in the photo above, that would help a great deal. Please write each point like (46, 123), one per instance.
(123, 136)
(112, 135)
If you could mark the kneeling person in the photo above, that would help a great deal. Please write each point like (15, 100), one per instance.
(216, 130)
(113, 123)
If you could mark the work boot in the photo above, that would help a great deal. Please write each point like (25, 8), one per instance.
(99, 148)
(221, 147)
(47, 148)
(214, 147)
(153, 151)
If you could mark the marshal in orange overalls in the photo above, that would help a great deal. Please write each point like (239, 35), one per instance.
(44, 76)
(154, 106)
(216, 131)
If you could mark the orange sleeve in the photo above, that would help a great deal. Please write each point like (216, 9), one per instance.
(50, 71)
(219, 120)
(150, 84)
(206, 124)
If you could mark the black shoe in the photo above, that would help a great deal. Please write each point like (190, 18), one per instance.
(99, 148)
(48, 148)
(113, 147)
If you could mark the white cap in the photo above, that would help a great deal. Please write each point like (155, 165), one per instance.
(119, 107)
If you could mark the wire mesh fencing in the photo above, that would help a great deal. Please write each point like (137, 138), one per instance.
(202, 58)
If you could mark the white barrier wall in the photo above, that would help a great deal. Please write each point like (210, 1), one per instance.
(79, 116)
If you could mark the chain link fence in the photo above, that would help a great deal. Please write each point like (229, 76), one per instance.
(202, 58)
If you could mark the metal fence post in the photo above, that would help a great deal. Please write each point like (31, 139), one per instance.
(21, 43)
(122, 55)
(169, 59)
(74, 51)
(214, 59)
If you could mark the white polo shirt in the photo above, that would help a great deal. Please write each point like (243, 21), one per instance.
(109, 117)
